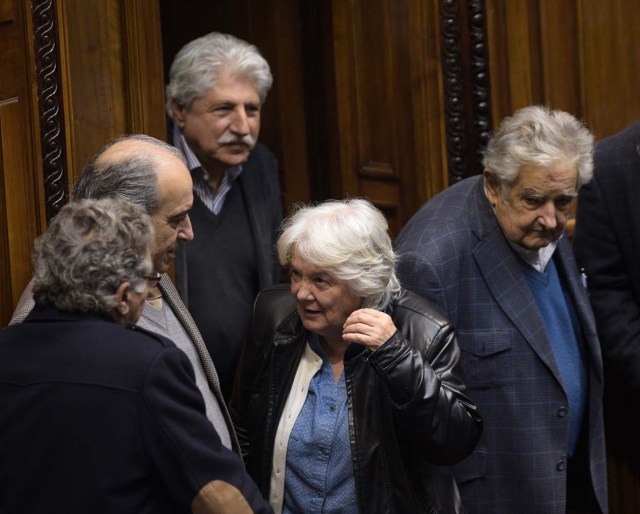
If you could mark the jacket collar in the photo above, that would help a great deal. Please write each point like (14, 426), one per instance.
(48, 312)
(500, 270)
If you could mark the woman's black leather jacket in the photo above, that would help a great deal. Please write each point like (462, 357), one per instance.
(408, 416)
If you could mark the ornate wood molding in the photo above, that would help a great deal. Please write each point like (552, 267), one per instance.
(50, 105)
(466, 85)
(479, 78)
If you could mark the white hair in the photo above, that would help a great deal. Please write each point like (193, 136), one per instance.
(199, 64)
(349, 240)
(539, 136)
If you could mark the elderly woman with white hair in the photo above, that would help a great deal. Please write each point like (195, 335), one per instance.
(349, 390)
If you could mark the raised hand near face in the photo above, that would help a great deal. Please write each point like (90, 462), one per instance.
(368, 327)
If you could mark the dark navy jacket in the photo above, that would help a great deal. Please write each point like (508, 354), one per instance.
(98, 418)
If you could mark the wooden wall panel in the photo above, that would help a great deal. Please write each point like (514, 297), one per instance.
(578, 56)
(73, 74)
(560, 56)
(19, 190)
(20, 208)
(387, 144)
(143, 67)
(609, 64)
(95, 76)
(429, 175)
(113, 73)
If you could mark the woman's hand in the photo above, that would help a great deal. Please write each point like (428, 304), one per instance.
(368, 327)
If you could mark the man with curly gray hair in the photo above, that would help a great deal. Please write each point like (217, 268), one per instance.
(96, 258)
(492, 253)
(217, 86)
(99, 415)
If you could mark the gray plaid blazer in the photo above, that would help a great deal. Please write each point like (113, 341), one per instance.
(454, 253)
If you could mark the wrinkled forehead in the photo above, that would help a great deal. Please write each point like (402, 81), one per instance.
(558, 176)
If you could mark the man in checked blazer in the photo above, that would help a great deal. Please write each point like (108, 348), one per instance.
(151, 173)
(492, 253)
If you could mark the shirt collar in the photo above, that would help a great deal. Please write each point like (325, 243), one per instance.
(181, 144)
(537, 259)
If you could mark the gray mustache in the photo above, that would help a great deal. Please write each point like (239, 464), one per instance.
(229, 138)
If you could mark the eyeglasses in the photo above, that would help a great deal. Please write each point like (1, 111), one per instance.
(153, 279)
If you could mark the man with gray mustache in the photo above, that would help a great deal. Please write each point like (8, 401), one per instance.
(217, 85)
(492, 253)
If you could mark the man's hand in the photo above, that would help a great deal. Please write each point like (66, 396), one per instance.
(368, 327)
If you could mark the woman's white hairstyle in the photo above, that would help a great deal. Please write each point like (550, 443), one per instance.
(539, 136)
(349, 240)
(198, 65)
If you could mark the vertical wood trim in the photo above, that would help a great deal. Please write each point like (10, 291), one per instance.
(50, 106)
(480, 81)
(466, 85)
(453, 90)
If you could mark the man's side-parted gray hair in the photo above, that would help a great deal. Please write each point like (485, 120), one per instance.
(132, 178)
(197, 66)
(90, 248)
(539, 136)
(349, 240)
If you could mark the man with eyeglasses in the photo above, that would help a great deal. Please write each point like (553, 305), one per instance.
(151, 173)
(98, 415)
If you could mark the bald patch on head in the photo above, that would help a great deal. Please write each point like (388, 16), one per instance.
(128, 149)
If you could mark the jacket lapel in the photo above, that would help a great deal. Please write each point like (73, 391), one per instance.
(171, 296)
(505, 280)
(578, 293)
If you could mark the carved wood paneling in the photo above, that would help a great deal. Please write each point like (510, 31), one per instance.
(50, 106)
(480, 83)
(466, 85)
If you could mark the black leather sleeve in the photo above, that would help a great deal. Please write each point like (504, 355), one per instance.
(421, 369)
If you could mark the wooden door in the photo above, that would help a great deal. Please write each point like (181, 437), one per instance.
(21, 213)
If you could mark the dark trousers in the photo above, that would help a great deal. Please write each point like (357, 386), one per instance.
(580, 496)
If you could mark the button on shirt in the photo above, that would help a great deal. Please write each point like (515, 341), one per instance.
(319, 473)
